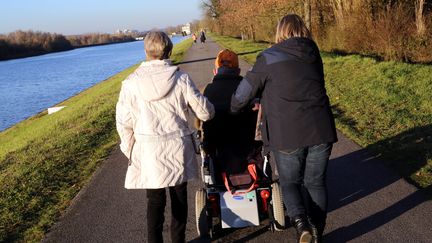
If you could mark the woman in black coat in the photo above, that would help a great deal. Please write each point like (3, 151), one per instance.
(298, 125)
(202, 36)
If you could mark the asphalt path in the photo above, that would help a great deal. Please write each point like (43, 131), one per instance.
(367, 201)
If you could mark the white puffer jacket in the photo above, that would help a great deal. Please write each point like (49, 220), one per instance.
(152, 121)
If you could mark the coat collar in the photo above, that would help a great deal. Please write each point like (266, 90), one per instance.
(226, 78)
(164, 62)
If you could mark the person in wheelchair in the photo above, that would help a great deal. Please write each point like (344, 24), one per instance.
(228, 139)
(238, 188)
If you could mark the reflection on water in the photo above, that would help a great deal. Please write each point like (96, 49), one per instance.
(30, 85)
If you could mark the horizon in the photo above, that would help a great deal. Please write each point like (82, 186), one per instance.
(98, 16)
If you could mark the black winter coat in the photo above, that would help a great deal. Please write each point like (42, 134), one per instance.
(228, 138)
(289, 78)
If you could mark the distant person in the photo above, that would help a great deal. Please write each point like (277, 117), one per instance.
(151, 119)
(194, 37)
(203, 37)
(298, 125)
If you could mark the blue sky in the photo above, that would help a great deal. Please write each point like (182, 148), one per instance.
(105, 16)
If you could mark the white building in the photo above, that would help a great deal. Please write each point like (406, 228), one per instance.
(187, 28)
(126, 31)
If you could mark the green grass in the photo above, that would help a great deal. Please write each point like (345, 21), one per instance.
(247, 50)
(46, 159)
(385, 107)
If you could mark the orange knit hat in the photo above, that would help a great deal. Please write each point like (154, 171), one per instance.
(227, 58)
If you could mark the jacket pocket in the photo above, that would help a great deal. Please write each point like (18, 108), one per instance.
(289, 151)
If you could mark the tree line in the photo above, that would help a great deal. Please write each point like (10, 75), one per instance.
(388, 29)
(98, 39)
(30, 43)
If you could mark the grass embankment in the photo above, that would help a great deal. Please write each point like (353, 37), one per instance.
(46, 159)
(383, 106)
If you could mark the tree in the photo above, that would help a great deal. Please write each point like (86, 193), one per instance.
(308, 12)
(212, 8)
(419, 17)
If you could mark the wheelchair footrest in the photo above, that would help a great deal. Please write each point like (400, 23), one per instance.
(240, 210)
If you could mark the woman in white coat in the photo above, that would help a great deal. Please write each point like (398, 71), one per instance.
(151, 119)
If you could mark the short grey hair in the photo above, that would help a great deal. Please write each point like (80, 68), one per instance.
(157, 45)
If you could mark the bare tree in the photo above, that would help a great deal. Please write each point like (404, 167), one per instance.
(419, 17)
(212, 8)
(338, 11)
(308, 10)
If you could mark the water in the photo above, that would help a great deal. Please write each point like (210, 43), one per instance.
(31, 85)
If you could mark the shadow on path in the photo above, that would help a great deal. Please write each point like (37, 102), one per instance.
(345, 234)
(214, 58)
(235, 235)
(197, 60)
(363, 174)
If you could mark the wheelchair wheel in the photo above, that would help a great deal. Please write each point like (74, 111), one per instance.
(277, 207)
(201, 213)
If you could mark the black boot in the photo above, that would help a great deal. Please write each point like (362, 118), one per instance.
(316, 236)
(301, 224)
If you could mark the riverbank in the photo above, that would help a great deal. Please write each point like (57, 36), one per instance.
(383, 106)
(40, 53)
(46, 159)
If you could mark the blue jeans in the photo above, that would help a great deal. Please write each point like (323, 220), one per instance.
(302, 176)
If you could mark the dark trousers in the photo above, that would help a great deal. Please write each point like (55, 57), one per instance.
(156, 201)
(302, 176)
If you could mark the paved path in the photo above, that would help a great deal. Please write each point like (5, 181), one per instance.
(368, 203)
